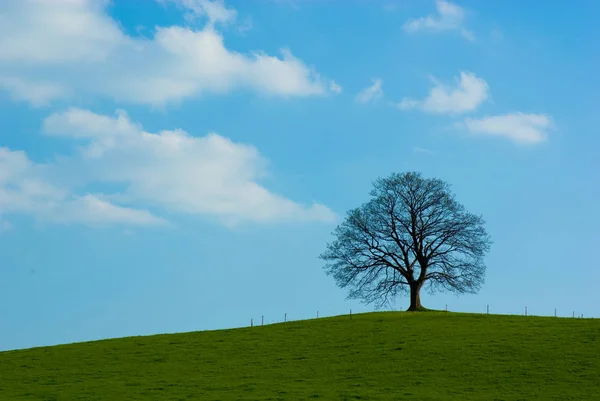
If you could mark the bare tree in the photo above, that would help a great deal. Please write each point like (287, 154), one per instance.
(411, 233)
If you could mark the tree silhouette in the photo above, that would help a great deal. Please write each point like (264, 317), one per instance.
(411, 234)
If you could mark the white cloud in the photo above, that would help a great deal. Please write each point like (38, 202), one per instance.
(450, 17)
(371, 93)
(170, 171)
(466, 95)
(517, 127)
(74, 46)
(36, 93)
(418, 149)
(91, 210)
(26, 188)
(335, 88)
(56, 32)
(215, 11)
(391, 6)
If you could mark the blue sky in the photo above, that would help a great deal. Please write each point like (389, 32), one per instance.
(180, 165)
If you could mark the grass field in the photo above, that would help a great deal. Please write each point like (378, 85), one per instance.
(374, 356)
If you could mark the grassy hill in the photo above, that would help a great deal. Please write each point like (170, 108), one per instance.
(374, 356)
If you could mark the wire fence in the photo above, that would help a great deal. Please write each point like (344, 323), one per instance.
(573, 315)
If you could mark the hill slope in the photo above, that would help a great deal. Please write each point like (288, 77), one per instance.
(374, 356)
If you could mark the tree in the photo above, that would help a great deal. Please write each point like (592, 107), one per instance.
(411, 234)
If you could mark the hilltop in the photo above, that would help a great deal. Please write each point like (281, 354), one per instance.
(373, 356)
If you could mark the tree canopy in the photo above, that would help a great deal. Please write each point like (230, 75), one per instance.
(411, 234)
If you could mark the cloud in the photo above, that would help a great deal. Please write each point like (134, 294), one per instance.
(371, 93)
(418, 149)
(38, 93)
(468, 93)
(450, 17)
(390, 6)
(91, 210)
(335, 88)
(215, 11)
(25, 188)
(517, 127)
(34, 32)
(168, 171)
(74, 46)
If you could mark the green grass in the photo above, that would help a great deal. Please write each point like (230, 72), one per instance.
(374, 356)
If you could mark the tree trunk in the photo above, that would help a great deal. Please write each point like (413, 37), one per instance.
(415, 296)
